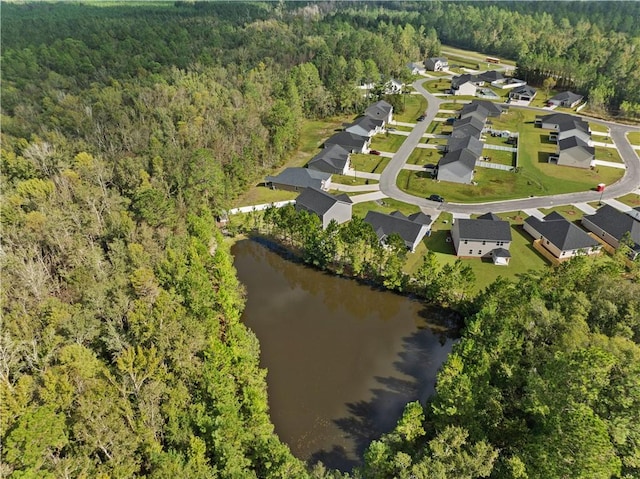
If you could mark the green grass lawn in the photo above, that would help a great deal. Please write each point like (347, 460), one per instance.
(369, 163)
(499, 156)
(480, 56)
(260, 194)
(598, 127)
(437, 86)
(439, 128)
(634, 137)
(422, 156)
(386, 205)
(608, 154)
(351, 180)
(401, 128)
(414, 106)
(631, 199)
(568, 211)
(451, 106)
(387, 142)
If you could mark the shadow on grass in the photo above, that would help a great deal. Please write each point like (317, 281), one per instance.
(543, 157)
(438, 243)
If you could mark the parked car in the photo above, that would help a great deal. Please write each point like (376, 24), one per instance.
(374, 152)
(421, 118)
(437, 198)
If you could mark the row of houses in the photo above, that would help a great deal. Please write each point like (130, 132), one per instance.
(488, 236)
(465, 145)
(468, 84)
(573, 137)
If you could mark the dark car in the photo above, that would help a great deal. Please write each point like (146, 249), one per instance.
(374, 152)
(437, 198)
(421, 117)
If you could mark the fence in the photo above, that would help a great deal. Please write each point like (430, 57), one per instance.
(500, 147)
(249, 209)
(494, 166)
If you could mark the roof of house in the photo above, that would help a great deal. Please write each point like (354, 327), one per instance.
(567, 96)
(300, 177)
(493, 108)
(437, 59)
(523, 90)
(575, 142)
(469, 142)
(330, 159)
(483, 229)
(470, 129)
(367, 122)
(501, 253)
(319, 202)
(459, 162)
(380, 109)
(472, 120)
(459, 80)
(557, 118)
(347, 140)
(489, 216)
(385, 225)
(615, 222)
(562, 233)
(420, 218)
(491, 75)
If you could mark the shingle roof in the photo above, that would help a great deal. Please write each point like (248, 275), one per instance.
(501, 253)
(385, 225)
(420, 218)
(379, 109)
(300, 177)
(459, 162)
(567, 96)
(469, 120)
(348, 140)
(615, 222)
(483, 229)
(563, 234)
(493, 108)
(459, 80)
(469, 129)
(331, 159)
(367, 122)
(491, 75)
(475, 109)
(316, 201)
(575, 142)
(490, 216)
(524, 90)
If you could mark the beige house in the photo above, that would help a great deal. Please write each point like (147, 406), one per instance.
(488, 236)
(561, 237)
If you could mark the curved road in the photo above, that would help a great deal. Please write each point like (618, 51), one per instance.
(627, 184)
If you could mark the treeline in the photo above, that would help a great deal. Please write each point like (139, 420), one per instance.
(353, 250)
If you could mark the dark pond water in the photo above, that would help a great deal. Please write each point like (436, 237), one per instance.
(343, 358)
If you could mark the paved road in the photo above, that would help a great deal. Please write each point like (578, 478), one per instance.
(630, 182)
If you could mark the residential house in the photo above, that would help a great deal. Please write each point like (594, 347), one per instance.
(492, 76)
(469, 121)
(560, 237)
(488, 236)
(365, 126)
(324, 205)
(411, 229)
(523, 93)
(436, 64)
(457, 166)
(416, 68)
(509, 83)
(566, 98)
(611, 225)
(468, 129)
(296, 179)
(561, 121)
(380, 110)
(492, 109)
(467, 88)
(393, 87)
(349, 141)
(332, 159)
(634, 213)
(574, 152)
(557, 136)
(470, 142)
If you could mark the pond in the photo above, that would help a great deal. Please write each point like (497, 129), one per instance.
(343, 358)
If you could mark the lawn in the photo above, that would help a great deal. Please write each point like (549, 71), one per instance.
(260, 194)
(386, 205)
(400, 127)
(369, 163)
(414, 106)
(631, 199)
(422, 156)
(473, 54)
(499, 156)
(570, 212)
(437, 86)
(351, 180)
(598, 127)
(387, 142)
(608, 154)
(451, 106)
(634, 137)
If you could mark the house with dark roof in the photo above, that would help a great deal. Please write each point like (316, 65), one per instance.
(325, 206)
(523, 93)
(488, 236)
(574, 152)
(557, 136)
(492, 109)
(365, 126)
(492, 76)
(332, 159)
(416, 68)
(560, 237)
(296, 179)
(411, 229)
(566, 98)
(468, 129)
(457, 166)
(380, 110)
(436, 64)
(349, 141)
(469, 142)
(611, 225)
(561, 122)
(465, 85)
(509, 83)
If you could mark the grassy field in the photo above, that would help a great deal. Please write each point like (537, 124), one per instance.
(634, 137)
(608, 154)
(631, 199)
(387, 205)
(437, 86)
(422, 156)
(451, 106)
(369, 163)
(387, 142)
(570, 212)
(414, 106)
(469, 53)
(598, 127)
(351, 180)
(499, 156)
(400, 127)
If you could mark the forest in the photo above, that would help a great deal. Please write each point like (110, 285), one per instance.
(126, 129)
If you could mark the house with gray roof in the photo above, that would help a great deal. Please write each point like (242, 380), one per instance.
(349, 141)
(561, 237)
(325, 206)
(566, 98)
(492, 76)
(523, 93)
(469, 142)
(296, 179)
(492, 109)
(411, 229)
(469, 120)
(380, 110)
(468, 129)
(509, 83)
(574, 152)
(365, 126)
(561, 122)
(465, 85)
(436, 64)
(611, 225)
(457, 166)
(557, 136)
(416, 68)
(332, 159)
(488, 236)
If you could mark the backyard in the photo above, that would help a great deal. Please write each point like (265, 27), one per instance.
(369, 163)
(387, 142)
(414, 106)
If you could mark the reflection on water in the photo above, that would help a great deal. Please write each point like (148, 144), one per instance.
(343, 358)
